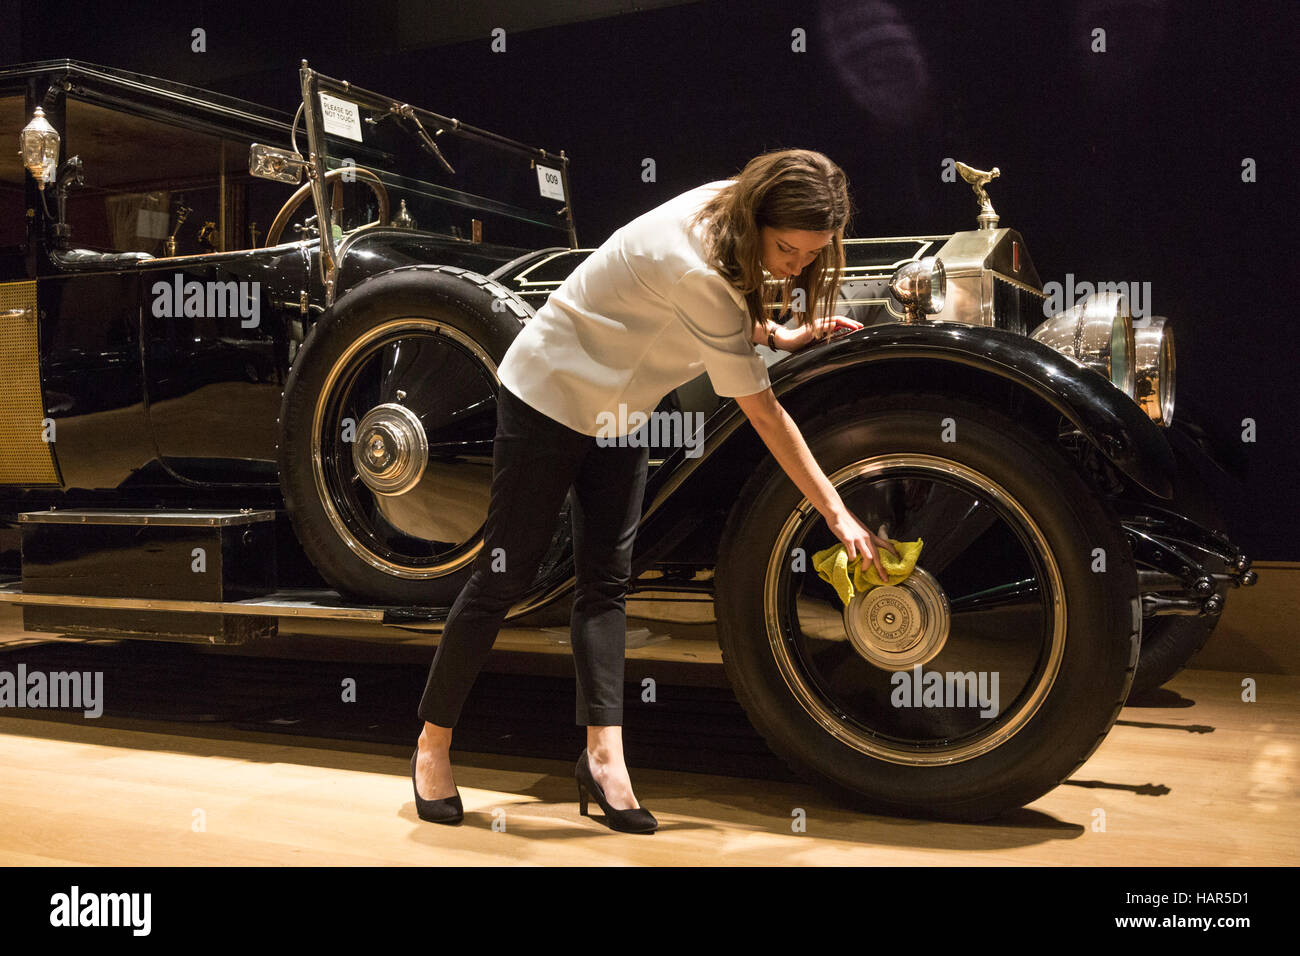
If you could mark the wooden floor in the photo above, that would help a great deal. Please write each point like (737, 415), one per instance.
(1208, 780)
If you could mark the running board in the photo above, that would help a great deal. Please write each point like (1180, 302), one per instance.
(114, 613)
(184, 575)
(196, 576)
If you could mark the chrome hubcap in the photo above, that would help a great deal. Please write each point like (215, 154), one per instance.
(895, 627)
(391, 450)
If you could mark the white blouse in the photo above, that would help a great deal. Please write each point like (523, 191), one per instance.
(640, 316)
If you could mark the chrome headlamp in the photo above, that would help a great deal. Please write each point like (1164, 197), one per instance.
(1154, 357)
(920, 288)
(1098, 334)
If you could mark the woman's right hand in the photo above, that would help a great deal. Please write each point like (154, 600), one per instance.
(861, 541)
(781, 435)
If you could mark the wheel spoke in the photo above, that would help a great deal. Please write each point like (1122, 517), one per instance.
(1000, 595)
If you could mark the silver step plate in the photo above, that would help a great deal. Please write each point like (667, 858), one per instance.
(151, 516)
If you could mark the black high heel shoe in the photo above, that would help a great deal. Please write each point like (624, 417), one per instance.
(636, 820)
(446, 810)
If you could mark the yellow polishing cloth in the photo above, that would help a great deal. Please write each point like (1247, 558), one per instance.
(832, 566)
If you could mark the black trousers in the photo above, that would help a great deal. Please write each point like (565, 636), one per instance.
(535, 462)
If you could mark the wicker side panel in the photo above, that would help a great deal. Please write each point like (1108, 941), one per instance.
(25, 459)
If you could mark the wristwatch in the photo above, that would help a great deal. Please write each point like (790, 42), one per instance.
(771, 336)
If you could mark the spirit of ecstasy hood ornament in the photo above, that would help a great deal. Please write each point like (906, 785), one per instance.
(978, 179)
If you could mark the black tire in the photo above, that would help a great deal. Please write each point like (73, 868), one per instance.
(1170, 641)
(856, 747)
(416, 547)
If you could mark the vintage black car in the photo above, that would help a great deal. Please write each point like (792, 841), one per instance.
(250, 367)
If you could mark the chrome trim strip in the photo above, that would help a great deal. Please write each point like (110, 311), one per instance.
(144, 516)
(193, 258)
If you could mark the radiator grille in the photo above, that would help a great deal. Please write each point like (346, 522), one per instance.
(24, 458)
(1016, 309)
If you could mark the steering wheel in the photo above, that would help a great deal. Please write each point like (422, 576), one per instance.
(334, 175)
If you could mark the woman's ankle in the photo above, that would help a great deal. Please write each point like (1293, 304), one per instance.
(605, 744)
(433, 737)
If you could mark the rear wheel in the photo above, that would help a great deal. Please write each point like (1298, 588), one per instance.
(386, 434)
(1032, 643)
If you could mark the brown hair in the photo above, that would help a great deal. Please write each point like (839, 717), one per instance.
(783, 189)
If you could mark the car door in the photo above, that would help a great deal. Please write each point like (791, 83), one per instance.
(218, 333)
(87, 317)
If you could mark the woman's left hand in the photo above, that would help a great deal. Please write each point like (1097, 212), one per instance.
(790, 340)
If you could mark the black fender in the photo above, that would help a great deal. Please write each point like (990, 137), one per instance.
(509, 270)
(477, 291)
(1106, 416)
(933, 355)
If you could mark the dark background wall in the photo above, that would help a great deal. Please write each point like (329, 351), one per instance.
(1117, 166)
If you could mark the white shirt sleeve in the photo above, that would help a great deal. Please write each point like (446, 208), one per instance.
(719, 327)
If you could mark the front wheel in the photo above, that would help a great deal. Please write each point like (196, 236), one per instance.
(991, 672)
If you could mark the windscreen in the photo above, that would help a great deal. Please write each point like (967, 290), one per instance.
(518, 199)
